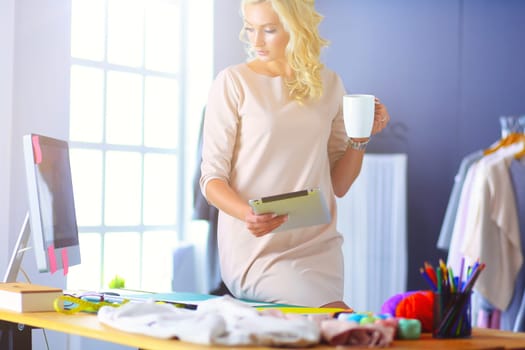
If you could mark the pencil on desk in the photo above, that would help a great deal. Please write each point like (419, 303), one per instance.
(439, 281)
(451, 279)
(444, 270)
(460, 280)
(431, 272)
(473, 277)
(428, 279)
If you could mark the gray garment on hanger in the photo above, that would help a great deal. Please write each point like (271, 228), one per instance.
(445, 236)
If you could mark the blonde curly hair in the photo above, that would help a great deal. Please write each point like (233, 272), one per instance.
(301, 21)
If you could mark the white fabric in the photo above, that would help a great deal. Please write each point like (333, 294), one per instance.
(486, 227)
(226, 321)
(458, 234)
(492, 230)
(219, 321)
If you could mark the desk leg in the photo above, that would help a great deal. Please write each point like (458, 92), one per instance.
(14, 336)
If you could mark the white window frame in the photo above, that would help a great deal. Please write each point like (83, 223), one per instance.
(189, 106)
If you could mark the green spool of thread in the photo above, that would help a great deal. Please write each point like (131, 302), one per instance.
(409, 328)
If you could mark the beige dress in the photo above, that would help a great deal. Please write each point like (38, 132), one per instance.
(263, 143)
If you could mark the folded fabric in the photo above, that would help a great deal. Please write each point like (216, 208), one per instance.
(346, 333)
(219, 321)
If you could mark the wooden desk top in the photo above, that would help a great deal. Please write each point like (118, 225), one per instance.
(87, 325)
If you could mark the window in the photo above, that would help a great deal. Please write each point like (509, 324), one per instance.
(130, 131)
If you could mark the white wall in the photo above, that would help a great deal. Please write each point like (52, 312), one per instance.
(39, 95)
(6, 86)
(38, 85)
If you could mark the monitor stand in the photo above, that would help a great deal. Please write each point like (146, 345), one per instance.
(13, 268)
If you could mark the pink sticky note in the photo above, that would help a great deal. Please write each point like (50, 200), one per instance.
(52, 258)
(36, 149)
(65, 261)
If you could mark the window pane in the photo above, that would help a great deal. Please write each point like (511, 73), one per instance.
(125, 32)
(160, 189)
(161, 111)
(87, 274)
(87, 29)
(86, 168)
(123, 188)
(124, 109)
(162, 36)
(157, 265)
(122, 257)
(86, 104)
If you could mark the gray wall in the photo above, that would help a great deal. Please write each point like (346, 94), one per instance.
(227, 24)
(446, 70)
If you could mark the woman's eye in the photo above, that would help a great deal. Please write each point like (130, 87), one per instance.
(248, 29)
(269, 31)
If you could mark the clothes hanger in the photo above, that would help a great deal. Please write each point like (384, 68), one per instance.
(520, 154)
(506, 141)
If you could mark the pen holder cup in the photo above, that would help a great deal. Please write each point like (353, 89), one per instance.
(452, 315)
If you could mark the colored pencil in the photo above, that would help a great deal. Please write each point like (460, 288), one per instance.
(428, 279)
(460, 280)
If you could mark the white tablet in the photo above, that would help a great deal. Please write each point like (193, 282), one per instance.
(304, 208)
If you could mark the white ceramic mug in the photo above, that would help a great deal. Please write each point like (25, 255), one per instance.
(358, 112)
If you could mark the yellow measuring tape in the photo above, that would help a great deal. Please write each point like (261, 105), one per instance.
(68, 304)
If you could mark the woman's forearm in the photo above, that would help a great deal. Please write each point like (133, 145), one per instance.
(222, 196)
(346, 170)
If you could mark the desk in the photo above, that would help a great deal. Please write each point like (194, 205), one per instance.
(87, 325)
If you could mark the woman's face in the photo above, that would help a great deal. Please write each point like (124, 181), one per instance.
(265, 32)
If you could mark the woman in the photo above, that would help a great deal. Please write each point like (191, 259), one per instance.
(274, 125)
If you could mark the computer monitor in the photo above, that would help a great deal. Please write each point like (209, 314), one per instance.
(51, 219)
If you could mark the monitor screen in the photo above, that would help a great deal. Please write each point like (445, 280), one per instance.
(51, 219)
(52, 214)
(49, 175)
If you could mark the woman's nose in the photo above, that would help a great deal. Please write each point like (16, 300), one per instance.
(259, 39)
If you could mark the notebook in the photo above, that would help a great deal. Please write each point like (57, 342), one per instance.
(304, 208)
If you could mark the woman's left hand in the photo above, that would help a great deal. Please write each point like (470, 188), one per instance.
(381, 117)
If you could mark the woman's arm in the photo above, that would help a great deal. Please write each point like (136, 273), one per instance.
(221, 195)
(346, 170)
(348, 167)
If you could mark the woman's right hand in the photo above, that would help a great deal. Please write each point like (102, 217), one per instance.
(222, 196)
(262, 224)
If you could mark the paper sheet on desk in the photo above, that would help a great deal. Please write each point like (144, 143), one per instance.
(192, 300)
(188, 298)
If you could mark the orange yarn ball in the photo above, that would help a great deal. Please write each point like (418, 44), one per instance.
(418, 305)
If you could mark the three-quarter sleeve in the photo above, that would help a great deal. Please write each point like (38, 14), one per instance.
(220, 127)
(338, 138)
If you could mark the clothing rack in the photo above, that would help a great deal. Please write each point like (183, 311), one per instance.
(485, 219)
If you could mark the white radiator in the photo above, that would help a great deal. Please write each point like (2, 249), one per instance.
(372, 219)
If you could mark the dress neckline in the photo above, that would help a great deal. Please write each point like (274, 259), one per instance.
(261, 74)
